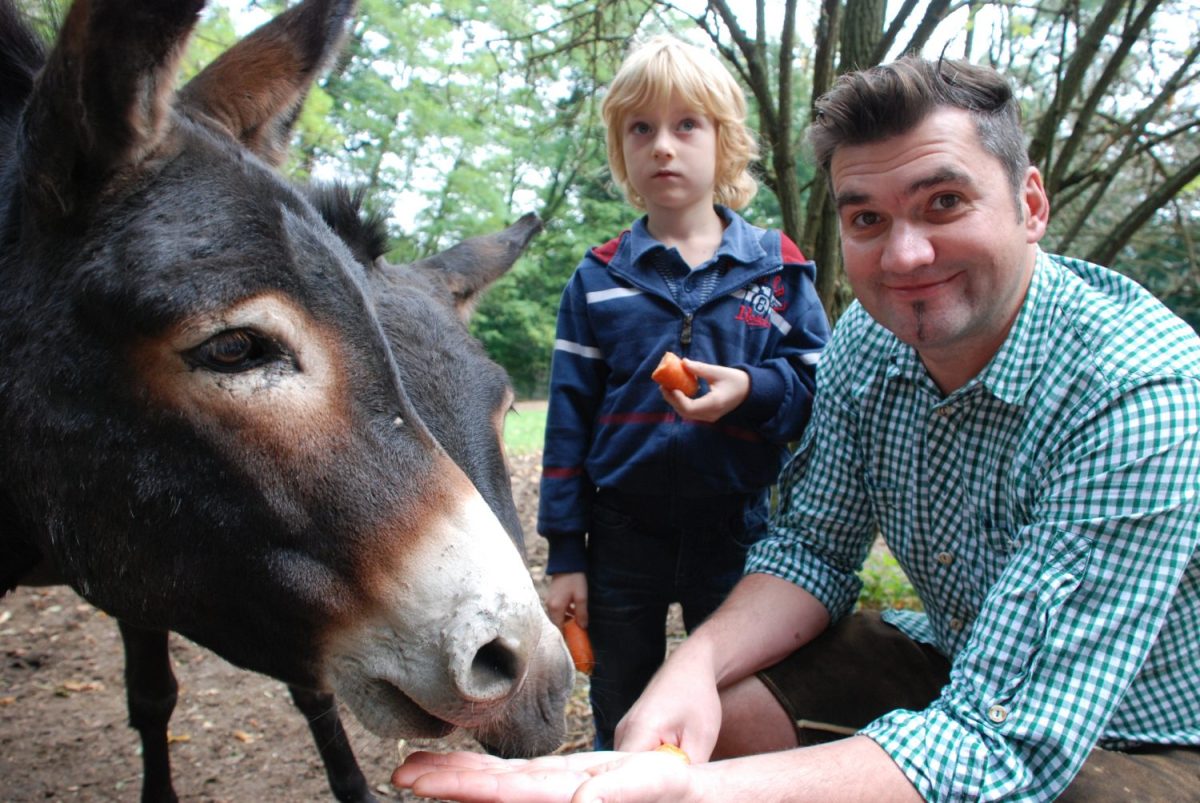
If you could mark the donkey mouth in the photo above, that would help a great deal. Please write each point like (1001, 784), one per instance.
(387, 711)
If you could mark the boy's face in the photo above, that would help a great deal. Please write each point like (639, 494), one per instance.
(936, 247)
(671, 157)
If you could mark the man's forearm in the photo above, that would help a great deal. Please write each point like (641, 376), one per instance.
(764, 620)
(846, 771)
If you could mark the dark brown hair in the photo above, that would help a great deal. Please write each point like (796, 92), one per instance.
(881, 102)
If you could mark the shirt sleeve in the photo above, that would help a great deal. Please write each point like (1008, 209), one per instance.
(1066, 631)
(823, 528)
(782, 386)
(577, 375)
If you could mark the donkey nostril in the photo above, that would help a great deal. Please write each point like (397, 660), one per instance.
(495, 671)
(495, 659)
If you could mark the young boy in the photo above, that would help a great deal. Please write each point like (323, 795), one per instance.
(649, 497)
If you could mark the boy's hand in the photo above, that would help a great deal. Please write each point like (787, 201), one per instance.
(567, 596)
(727, 388)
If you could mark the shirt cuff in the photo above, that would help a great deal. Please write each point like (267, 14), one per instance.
(783, 555)
(567, 553)
(943, 758)
(767, 390)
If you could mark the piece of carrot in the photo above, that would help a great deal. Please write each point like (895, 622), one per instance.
(677, 752)
(672, 374)
(579, 645)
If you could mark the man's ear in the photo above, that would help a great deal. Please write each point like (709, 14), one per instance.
(1036, 205)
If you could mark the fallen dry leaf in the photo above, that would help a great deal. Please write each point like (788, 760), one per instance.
(243, 737)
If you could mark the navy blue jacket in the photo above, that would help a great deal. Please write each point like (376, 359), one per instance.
(753, 307)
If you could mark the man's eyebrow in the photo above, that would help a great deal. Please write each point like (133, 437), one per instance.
(844, 199)
(946, 175)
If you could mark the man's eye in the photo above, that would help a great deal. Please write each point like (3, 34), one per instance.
(863, 219)
(945, 202)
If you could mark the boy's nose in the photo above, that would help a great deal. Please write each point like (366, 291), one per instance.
(663, 148)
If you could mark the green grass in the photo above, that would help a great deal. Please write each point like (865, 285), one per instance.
(524, 429)
(884, 584)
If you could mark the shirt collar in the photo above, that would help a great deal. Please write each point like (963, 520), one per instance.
(740, 242)
(1012, 371)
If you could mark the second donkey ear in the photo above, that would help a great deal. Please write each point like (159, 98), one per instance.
(466, 270)
(256, 88)
(102, 102)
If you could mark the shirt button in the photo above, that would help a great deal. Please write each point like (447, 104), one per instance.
(997, 714)
(945, 558)
(956, 624)
(945, 412)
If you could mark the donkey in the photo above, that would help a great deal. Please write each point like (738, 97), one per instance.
(222, 414)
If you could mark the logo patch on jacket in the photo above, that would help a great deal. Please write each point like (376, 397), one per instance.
(759, 301)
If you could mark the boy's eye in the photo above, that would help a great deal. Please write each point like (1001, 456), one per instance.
(687, 125)
(639, 128)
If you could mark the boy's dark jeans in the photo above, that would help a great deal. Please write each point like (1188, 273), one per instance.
(645, 552)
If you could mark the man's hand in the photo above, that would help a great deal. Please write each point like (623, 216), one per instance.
(650, 777)
(853, 770)
(680, 706)
(727, 388)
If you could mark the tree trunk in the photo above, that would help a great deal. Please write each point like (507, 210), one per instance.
(1081, 58)
(1106, 250)
(861, 31)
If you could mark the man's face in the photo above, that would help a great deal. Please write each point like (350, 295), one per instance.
(937, 248)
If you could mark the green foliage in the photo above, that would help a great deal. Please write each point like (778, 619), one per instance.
(458, 117)
(885, 585)
(524, 430)
(1162, 257)
(45, 16)
(214, 34)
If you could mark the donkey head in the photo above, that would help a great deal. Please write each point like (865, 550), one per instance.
(214, 419)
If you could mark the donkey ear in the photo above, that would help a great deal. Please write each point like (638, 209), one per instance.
(255, 89)
(469, 268)
(102, 101)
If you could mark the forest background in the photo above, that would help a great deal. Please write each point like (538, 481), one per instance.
(456, 117)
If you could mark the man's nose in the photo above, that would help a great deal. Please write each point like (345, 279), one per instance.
(907, 248)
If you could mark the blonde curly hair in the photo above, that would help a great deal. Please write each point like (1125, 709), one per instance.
(663, 67)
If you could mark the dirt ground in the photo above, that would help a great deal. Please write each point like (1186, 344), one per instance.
(235, 735)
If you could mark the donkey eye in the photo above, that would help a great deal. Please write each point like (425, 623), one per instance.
(233, 351)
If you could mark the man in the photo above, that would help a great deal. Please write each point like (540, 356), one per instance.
(1024, 432)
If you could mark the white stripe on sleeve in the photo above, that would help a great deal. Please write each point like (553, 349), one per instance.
(591, 352)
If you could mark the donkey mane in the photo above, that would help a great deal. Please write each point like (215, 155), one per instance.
(344, 209)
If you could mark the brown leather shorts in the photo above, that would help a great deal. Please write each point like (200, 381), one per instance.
(861, 668)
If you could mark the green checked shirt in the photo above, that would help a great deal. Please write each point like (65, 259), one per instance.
(1048, 515)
